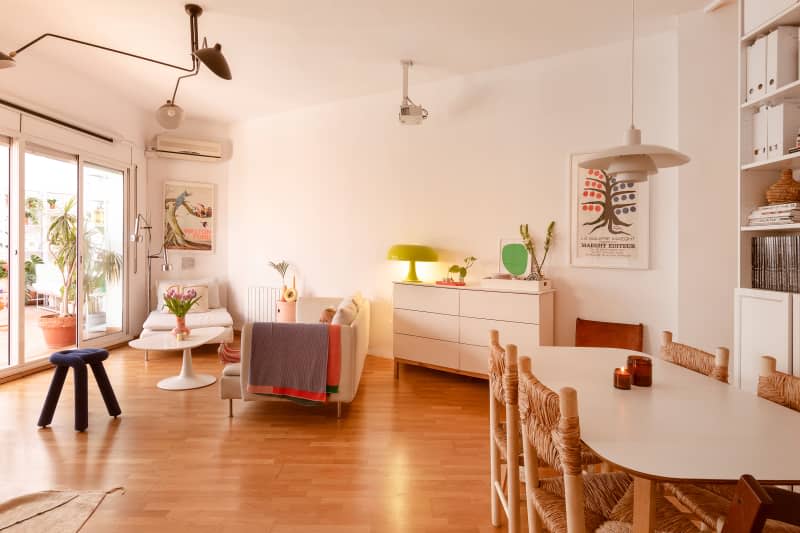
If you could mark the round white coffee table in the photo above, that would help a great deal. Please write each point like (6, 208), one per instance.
(167, 341)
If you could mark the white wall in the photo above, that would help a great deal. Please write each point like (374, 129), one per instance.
(206, 264)
(707, 209)
(330, 188)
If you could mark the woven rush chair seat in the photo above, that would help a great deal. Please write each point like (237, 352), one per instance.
(550, 426)
(778, 387)
(712, 508)
(714, 366)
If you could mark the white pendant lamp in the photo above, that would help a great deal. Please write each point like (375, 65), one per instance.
(634, 161)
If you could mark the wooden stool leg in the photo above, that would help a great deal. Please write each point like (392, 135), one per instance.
(51, 401)
(81, 398)
(106, 390)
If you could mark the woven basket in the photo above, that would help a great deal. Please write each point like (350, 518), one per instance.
(786, 189)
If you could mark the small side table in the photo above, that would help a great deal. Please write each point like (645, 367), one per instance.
(187, 379)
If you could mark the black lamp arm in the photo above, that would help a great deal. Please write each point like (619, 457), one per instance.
(177, 83)
(107, 49)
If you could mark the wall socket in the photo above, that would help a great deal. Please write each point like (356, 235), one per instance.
(187, 263)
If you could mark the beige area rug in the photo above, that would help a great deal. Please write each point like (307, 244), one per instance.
(53, 511)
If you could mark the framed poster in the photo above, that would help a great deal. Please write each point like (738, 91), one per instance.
(610, 220)
(189, 216)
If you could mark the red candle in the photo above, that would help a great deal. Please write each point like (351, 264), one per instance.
(642, 370)
(622, 378)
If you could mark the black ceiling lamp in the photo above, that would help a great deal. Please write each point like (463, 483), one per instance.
(170, 114)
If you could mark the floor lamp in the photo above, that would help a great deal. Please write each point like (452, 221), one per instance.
(142, 225)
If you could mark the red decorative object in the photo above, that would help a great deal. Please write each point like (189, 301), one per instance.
(451, 283)
(642, 369)
(622, 378)
(181, 331)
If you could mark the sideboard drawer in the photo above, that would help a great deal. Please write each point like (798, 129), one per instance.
(429, 351)
(475, 331)
(511, 307)
(430, 325)
(430, 299)
(473, 359)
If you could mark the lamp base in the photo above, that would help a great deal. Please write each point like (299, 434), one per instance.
(411, 276)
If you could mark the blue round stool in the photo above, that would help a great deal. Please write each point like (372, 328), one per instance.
(77, 360)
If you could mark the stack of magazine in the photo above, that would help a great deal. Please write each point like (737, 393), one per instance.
(776, 263)
(776, 214)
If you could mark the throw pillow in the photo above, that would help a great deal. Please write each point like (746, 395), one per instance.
(346, 313)
(201, 306)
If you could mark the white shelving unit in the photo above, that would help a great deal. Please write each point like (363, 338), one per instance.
(766, 322)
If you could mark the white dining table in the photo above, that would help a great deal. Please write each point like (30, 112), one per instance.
(685, 427)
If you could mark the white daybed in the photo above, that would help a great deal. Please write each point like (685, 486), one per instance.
(217, 316)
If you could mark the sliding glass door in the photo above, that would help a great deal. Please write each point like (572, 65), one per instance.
(5, 264)
(51, 251)
(103, 232)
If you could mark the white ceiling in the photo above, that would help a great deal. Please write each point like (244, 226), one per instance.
(291, 53)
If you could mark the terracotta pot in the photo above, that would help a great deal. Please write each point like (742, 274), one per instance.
(58, 331)
(181, 331)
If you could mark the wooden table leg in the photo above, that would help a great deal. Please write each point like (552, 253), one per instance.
(644, 505)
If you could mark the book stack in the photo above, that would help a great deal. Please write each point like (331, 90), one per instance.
(776, 263)
(774, 215)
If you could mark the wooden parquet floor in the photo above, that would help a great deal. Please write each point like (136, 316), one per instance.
(408, 455)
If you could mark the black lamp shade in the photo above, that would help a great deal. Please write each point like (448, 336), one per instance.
(6, 61)
(212, 58)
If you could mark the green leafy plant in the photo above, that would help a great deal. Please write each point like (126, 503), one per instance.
(179, 302)
(3, 269)
(536, 273)
(462, 270)
(30, 275)
(62, 238)
(51, 202)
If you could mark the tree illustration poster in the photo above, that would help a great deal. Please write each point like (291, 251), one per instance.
(610, 220)
(189, 211)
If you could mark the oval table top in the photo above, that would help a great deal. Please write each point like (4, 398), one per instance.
(167, 341)
(687, 426)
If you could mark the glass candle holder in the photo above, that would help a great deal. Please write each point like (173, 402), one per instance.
(622, 378)
(641, 369)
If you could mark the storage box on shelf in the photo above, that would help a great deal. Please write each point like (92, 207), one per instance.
(767, 321)
(447, 328)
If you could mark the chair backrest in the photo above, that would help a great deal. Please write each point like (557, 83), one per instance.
(715, 366)
(539, 415)
(592, 334)
(776, 386)
(568, 442)
(753, 504)
(497, 366)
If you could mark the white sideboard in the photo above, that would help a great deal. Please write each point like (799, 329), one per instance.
(447, 328)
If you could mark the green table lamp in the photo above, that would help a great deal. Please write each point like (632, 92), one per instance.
(412, 253)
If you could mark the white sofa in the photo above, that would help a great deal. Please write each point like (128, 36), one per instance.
(216, 316)
(354, 339)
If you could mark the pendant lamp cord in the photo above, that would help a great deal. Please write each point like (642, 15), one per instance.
(633, 60)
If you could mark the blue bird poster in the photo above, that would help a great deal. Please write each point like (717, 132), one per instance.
(189, 216)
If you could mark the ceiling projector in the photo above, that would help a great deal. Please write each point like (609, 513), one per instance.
(411, 113)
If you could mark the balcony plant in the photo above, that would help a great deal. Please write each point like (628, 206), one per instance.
(30, 278)
(62, 239)
(103, 267)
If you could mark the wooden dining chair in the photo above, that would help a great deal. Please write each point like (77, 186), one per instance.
(715, 366)
(504, 435)
(776, 386)
(593, 334)
(577, 501)
(756, 508)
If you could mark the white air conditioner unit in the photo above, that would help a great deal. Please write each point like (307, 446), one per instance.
(172, 147)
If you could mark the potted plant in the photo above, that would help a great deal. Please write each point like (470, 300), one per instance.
(104, 266)
(51, 203)
(32, 207)
(62, 239)
(179, 303)
(3, 283)
(30, 277)
(460, 270)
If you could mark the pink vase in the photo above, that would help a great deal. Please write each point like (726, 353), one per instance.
(180, 331)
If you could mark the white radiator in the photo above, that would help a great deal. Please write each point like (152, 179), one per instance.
(262, 304)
